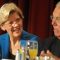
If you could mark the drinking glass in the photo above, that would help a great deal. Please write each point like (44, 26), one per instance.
(33, 49)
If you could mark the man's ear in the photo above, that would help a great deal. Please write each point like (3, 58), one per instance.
(2, 27)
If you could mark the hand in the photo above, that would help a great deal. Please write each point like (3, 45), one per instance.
(42, 53)
(50, 54)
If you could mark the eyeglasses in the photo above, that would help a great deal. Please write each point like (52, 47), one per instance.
(55, 18)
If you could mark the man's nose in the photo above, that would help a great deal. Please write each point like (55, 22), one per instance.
(54, 23)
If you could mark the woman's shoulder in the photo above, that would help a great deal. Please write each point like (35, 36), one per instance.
(4, 36)
(28, 35)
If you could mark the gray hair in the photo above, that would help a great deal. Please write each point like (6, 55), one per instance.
(58, 4)
(6, 9)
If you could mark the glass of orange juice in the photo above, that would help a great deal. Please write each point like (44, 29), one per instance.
(33, 49)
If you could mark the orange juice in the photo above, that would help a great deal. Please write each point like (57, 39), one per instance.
(33, 53)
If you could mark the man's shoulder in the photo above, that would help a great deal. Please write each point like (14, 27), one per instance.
(50, 38)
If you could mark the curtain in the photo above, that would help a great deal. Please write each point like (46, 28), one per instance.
(39, 17)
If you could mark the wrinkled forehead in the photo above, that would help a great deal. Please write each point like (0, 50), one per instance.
(56, 11)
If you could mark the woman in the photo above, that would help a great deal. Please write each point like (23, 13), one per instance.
(11, 20)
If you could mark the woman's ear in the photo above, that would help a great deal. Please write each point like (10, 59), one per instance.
(2, 27)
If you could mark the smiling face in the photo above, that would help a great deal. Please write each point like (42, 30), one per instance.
(14, 24)
(56, 22)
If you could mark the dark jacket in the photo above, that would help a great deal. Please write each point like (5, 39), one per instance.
(53, 44)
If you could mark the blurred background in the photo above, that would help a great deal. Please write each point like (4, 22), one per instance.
(37, 15)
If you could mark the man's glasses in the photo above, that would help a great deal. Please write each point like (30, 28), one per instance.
(55, 18)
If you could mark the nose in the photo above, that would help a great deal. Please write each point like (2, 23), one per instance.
(54, 23)
(15, 24)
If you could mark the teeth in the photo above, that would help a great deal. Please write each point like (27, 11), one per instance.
(16, 29)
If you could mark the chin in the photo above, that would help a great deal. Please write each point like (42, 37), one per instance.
(17, 34)
(57, 35)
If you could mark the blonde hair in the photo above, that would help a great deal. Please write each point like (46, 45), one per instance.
(6, 9)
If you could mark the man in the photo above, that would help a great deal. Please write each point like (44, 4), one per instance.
(11, 20)
(52, 44)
